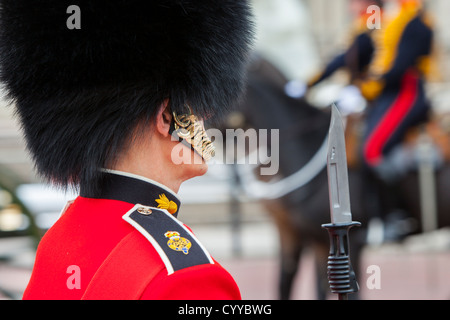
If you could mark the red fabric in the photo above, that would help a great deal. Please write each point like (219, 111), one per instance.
(86, 235)
(203, 282)
(394, 115)
(130, 279)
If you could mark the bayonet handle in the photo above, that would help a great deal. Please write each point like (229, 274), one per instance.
(341, 276)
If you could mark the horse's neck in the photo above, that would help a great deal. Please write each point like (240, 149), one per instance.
(298, 146)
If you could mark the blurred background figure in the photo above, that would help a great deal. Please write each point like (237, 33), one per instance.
(358, 54)
(395, 86)
(395, 91)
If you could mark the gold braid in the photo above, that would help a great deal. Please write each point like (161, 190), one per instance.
(189, 128)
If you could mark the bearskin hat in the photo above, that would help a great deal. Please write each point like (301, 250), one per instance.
(80, 92)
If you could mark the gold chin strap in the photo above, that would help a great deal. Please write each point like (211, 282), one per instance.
(190, 128)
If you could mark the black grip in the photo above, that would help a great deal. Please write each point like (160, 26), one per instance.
(341, 276)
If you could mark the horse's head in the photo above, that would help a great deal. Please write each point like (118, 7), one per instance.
(266, 106)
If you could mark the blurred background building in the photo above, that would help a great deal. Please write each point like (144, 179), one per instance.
(298, 36)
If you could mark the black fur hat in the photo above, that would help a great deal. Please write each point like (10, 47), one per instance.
(80, 92)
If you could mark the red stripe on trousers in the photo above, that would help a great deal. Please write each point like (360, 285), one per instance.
(373, 151)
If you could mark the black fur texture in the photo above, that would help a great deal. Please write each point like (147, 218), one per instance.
(80, 93)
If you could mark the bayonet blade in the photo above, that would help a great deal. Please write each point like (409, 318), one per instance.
(337, 171)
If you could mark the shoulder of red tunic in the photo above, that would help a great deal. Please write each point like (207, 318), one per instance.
(184, 263)
(72, 250)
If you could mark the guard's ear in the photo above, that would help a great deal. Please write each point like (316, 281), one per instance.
(164, 119)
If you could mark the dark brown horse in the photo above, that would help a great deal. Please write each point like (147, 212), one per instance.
(300, 213)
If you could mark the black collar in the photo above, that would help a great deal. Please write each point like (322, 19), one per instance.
(122, 186)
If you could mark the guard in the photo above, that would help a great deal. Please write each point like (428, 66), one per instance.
(106, 106)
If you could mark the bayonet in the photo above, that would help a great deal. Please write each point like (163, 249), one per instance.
(337, 171)
(341, 277)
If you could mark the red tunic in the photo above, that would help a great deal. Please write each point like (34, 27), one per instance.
(131, 259)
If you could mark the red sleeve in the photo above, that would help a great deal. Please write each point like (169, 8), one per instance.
(202, 282)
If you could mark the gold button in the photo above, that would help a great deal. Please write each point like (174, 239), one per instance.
(146, 211)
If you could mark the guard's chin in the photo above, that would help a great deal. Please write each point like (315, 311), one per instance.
(199, 165)
(188, 161)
